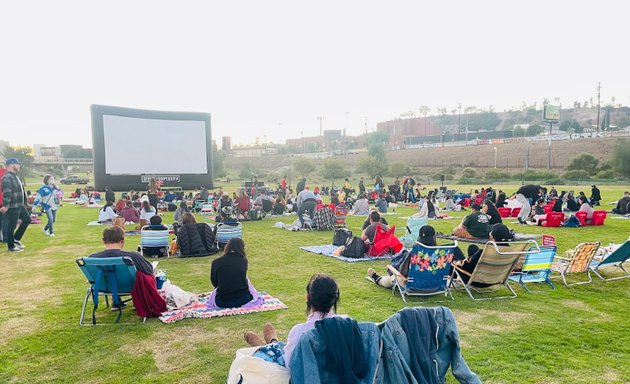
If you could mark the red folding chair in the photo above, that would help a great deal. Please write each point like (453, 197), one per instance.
(516, 211)
(581, 215)
(553, 219)
(598, 218)
(548, 208)
(504, 211)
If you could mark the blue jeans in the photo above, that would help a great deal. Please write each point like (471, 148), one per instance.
(52, 216)
(306, 206)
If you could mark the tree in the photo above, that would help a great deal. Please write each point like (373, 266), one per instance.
(375, 144)
(621, 158)
(567, 125)
(371, 167)
(333, 169)
(218, 163)
(303, 166)
(24, 156)
(534, 130)
(519, 132)
(248, 171)
(584, 162)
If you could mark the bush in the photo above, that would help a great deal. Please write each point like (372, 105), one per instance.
(372, 167)
(584, 162)
(399, 168)
(605, 174)
(468, 181)
(577, 174)
(556, 181)
(621, 158)
(469, 173)
(495, 174)
(531, 175)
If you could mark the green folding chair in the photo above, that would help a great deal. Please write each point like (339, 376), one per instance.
(613, 259)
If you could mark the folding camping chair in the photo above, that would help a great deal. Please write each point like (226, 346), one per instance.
(154, 239)
(413, 228)
(494, 267)
(613, 259)
(113, 277)
(198, 205)
(384, 241)
(429, 268)
(552, 219)
(341, 211)
(578, 261)
(536, 268)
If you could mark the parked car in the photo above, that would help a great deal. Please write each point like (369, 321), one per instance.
(74, 179)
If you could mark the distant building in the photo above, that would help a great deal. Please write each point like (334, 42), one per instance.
(253, 151)
(332, 134)
(42, 152)
(400, 129)
(226, 143)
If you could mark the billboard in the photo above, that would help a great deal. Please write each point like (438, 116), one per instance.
(551, 113)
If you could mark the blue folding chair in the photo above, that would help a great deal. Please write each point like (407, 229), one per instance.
(154, 239)
(536, 268)
(613, 259)
(413, 228)
(112, 276)
(429, 268)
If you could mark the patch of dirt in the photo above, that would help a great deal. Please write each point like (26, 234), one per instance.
(576, 304)
(16, 327)
(468, 322)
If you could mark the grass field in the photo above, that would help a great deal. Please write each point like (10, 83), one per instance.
(568, 335)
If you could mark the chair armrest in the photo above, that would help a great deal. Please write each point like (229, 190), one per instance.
(562, 258)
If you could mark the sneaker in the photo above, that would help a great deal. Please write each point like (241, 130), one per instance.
(253, 339)
(16, 249)
(52, 235)
(18, 243)
(45, 232)
(269, 333)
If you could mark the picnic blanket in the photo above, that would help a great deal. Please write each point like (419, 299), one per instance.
(200, 309)
(328, 249)
(517, 237)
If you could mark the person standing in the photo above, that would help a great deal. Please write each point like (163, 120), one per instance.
(300, 185)
(361, 186)
(110, 195)
(596, 196)
(49, 202)
(306, 202)
(13, 200)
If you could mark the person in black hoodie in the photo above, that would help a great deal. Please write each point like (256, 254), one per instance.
(228, 275)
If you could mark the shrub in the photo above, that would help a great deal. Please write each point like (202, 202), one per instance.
(467, 181)
(605, 174)
(556, 181)
(532, 175)
(621, 158)
(584, 162)
(372, 167)
(399, 168)
(495, 174)
(578, 174)
(469, 173)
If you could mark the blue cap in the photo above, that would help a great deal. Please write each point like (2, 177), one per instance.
(12, 160)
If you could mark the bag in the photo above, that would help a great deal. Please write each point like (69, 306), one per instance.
(249, 369)
(172, 207)
(324, 220)
(572, 222)
(354, 248)
(401, 262)
(255, 214)
(341, 236)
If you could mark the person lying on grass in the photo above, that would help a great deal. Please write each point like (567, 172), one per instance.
(322, 296)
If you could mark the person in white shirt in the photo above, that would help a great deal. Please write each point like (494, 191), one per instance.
(106, 214)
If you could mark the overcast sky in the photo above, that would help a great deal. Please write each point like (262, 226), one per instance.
(269, 68)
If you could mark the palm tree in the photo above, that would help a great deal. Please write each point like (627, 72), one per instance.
(424, 111)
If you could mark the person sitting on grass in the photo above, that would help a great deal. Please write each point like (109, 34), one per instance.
(322, 297)
(106, 214)
(361, 206)
(623, 204)
(370, 232)
(491, 211)
(129, 213)
(155, 224)
(228, 276)
(585, 207)
(179, 212)
(427, 237)
(367, 222)
(500, 234)
(473, 226)
(147, 211)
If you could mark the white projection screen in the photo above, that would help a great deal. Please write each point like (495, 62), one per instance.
(132, 146)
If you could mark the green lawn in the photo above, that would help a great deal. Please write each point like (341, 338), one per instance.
(568, 335)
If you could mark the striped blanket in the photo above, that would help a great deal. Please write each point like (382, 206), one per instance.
(328, 249)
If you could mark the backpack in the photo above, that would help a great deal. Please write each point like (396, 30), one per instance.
(354, 248)
(572, 222)
(324, 220)
(172, 207)
(341, 236)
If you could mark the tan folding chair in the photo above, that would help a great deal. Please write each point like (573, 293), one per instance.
(577, 261)
(493, 268)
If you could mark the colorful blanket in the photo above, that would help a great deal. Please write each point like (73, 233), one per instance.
(328, 249)
(200, 310)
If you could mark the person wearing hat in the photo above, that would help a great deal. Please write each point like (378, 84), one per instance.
(13, 200)
(475, 225)
(426, 236)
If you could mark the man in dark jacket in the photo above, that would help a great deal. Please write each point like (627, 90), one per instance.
(13, 199)
(596, 196)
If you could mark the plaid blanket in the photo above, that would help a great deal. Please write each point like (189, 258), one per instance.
(327, 250)
(200, 309)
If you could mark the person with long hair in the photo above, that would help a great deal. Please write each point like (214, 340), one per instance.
(228, 276)
(322, 297)
(147, 211)
(49, 202)
(179, 212)
(489, 209)
(106, 214)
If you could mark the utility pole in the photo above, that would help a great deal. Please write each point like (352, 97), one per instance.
(321, 121)
(365, 124)
(459, 118)
(599, 88)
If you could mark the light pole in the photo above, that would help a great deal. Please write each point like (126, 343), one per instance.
(495, 157)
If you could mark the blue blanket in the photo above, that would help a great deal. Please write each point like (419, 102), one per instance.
(328, 249)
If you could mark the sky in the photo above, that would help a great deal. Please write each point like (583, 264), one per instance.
(269, 69)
